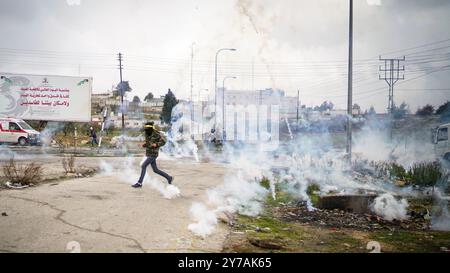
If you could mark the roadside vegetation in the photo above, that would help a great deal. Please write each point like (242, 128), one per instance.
(22, 174)
(272, 231)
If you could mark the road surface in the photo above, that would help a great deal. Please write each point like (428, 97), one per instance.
(103, 213)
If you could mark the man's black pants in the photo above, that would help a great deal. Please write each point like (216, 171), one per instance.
(152, 161)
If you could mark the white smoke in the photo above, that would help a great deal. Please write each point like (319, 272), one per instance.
(374, 143)
(129, 172)
(180, 142)
(47, 135)
(441, 214)
(389, 208)
(105, 168)
(308, 158)
(205, 220)
(167, 191)
(238, 194)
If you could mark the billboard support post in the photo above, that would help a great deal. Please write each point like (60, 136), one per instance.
(122, 90)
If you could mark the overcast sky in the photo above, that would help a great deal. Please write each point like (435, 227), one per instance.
(287, 44)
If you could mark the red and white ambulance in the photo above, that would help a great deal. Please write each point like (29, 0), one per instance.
(17, 131)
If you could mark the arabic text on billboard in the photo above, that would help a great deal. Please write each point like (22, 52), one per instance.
(40, 97)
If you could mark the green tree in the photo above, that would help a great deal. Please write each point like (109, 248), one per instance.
(125, 86)
(427, 110)
(136, 99)
(443, 108)
(69, 128)
(444, 112)
(401, 111)
(326, 106)
(372, 111)
(149, 97)
(169, 102)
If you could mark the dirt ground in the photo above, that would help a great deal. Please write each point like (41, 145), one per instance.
(272, 231)
(102, 213)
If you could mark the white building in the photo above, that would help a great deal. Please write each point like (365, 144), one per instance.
(288, 105)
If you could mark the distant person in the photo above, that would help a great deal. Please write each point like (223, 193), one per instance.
(93, 135)
(212, 136)
(153, 141)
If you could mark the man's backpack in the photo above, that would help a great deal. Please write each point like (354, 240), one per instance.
(163, 138)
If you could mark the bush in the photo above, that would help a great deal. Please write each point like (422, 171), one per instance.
(312, 189)
(25, 174)
(265, 182)
(398, 171)
(68, 163)
(427, 110)
(426, 174)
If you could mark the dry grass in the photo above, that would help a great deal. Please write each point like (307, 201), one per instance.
(24, 174)
(68, 163)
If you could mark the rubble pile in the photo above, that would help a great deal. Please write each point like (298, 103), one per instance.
(342, 219)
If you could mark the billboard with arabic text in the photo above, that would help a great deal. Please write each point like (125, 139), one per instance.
(45, 97)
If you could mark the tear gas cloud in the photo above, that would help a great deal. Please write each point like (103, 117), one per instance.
(310, 158)
(389, 208)
(128, 172)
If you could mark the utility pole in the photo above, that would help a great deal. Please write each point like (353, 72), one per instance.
(391, 75)
(298, 102)
(350, 83)
(121, 90)
(192, 101)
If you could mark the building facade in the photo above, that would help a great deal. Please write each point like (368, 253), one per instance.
(287, 105)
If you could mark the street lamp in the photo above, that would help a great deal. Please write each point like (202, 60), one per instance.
(223, 104)
(215, 84)
(201, 109)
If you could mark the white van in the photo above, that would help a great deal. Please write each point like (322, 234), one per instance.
(18, 131)
(442, 142)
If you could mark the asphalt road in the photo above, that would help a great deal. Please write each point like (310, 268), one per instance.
(103, 213)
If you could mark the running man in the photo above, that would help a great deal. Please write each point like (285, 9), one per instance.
(153, 141)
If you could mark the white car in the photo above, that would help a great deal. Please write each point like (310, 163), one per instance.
(442, 142)
(15, 131)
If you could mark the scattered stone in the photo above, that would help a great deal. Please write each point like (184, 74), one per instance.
(16, 185)
(226, 218)
(266, 229)
(4, 214)
(338, 219)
